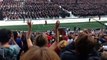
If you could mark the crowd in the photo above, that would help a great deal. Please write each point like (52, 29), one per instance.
(59, 44)
(84, 7)
(34, 9)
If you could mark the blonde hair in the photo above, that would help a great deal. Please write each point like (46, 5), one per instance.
(37, 53)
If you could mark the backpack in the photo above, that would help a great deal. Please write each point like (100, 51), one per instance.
(6, 54)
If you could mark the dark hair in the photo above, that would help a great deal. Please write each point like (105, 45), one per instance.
(15, 34)
(84, 44)
(5, 35)
(41, 40)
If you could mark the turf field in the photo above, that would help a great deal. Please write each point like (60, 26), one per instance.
(41, 27)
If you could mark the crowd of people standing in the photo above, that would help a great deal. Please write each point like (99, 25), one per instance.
(86, 44)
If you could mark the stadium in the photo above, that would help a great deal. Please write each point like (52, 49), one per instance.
(51, 10)
(53, 29)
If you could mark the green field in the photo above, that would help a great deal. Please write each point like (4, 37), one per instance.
(39, 28)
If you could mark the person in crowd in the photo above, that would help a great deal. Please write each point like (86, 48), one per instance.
(17, 38)
(84, 49)
(10, 51)
(37, 53)
(70, 37)
(23, 38)
(41, 40)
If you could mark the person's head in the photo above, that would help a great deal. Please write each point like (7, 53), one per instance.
(71, 35)
(23, 35)
(84, 43)
(15, 35)
(41, 40)
(5, 35)
(37, 53)
(87, 31)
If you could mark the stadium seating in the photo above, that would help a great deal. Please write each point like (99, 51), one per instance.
(51, 8)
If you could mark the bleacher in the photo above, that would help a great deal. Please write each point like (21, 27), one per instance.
(35, 9)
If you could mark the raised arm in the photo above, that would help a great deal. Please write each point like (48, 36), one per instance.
(54, 45)
(28, 35)
(56, 31)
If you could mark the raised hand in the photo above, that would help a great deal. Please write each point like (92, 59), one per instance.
(28, 35)
(56, 30)
(54, 45)
(29, 23)
(57, 24)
